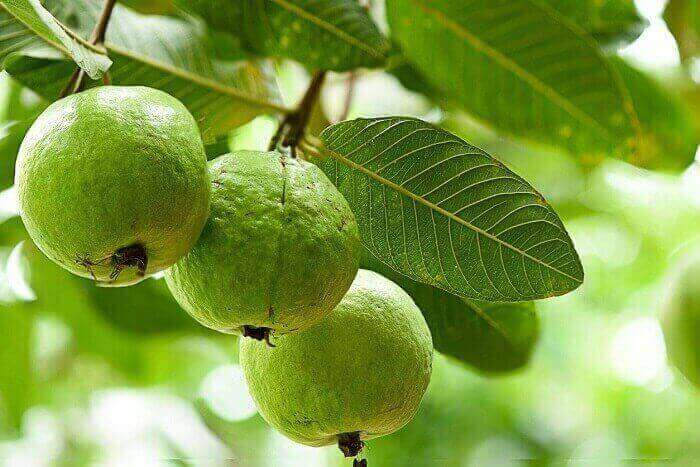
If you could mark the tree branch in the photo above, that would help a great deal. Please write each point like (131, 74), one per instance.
(77, 79)
(292, 128)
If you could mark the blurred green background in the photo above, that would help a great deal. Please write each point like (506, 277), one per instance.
(103, 377)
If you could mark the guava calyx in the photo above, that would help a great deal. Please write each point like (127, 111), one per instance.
(259, 334)
(350, 443)
(130, 256)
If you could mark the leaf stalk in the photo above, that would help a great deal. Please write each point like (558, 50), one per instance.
(76, 82)
(293, 126)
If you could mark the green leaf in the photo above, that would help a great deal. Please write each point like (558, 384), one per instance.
(146, 309)
(520, 67)
(16, 116)
(683, 18)
(491, 337)
(333, 35)
(446, 213)
(166, 53)
(610, 22)
(670, 135)
(23, 18)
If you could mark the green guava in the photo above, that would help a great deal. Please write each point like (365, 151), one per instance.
(279, 251)
(358, 374)
(112, 183)
(681, 320)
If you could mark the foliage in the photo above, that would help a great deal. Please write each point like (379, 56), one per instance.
(539, 155)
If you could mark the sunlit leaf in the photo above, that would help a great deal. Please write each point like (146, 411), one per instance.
(166, 53)
(520, 67)
(321, 34)
(22, 20)
(491, 337)
(670, 136)
(445, 213)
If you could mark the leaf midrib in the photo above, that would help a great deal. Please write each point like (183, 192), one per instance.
(329, 27)
(538, 85)
(197, 79)
(480, 313)
(442, 211)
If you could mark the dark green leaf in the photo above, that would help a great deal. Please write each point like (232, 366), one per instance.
(23, 19)
(146, 308)
(670, 136)
(161, 52)
(333, 35)
(520, 67)
(491, 337)
(447, 214)
(608, 21)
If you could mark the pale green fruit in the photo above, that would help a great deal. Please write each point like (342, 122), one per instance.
(112, 183)
(360, 373)
(279, 251)
(681, 320)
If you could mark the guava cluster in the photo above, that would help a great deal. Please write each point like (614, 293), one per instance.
(114, 185)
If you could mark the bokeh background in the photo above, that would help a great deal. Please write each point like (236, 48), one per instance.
(101, 377)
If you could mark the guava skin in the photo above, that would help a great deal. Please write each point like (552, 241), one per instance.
(114, 168)
(681, 321)
(279, 251)
(364, 368)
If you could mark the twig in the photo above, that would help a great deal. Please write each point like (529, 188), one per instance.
(77, 79)
(292, 128)
(349, 96)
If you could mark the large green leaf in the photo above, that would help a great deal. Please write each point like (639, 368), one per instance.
(22, 19)
(445, 213)
(670, 135)
(608, 21)
(165, 53)
(521, 67)
(333, 35)
(491, 337)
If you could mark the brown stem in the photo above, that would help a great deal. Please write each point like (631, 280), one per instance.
(292, 128)
(97, 37)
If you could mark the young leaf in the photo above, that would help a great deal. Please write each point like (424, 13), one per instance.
(670, 136)
(491, 337)
(446, 213)
(521, 67)
(610, 22)
(23, 18)
(333, 35)
(165, 53)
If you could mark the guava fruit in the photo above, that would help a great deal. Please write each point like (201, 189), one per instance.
(280, 249)
(681, 320)
(358, 374)
(112, 183)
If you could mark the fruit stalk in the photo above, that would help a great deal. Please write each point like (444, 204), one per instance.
(292, 128)
(97, 37)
